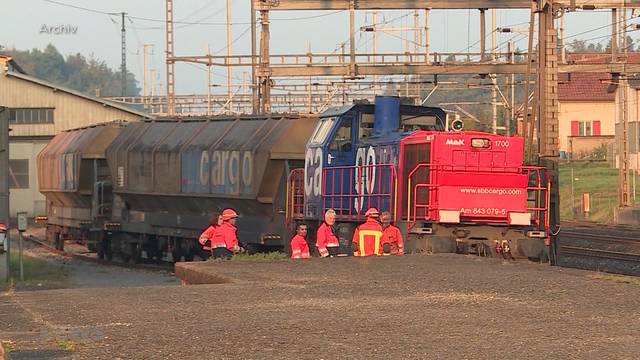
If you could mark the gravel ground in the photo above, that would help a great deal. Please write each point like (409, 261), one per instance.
(414, 307)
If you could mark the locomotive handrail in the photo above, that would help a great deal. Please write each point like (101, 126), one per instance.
(290, 201)
(540, 211)
(357, 178)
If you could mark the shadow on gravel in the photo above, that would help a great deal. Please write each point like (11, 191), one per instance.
(38, 354)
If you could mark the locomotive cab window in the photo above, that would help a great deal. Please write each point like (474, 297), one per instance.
(322, 130)
(418, 122)
(342, 139)
(366, 126)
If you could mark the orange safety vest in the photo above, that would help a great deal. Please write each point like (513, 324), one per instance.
(367, 238)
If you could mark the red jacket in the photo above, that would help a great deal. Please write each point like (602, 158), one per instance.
(299, 248)
(225, 236)
(207, 235)
(392, 235)
(325, 237)
(367, 238)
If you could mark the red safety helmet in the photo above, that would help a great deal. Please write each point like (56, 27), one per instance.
(372, 212)
(3, 227)
(229, 214)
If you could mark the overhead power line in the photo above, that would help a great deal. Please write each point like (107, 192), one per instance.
(188, 22)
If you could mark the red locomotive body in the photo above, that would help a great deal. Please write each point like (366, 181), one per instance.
(469, 191)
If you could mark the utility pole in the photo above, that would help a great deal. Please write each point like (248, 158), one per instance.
(144, 77)
(229, 69)
(494, 92)
(265, 66)
(623, 141)
(563, 45)
(152, 93)
(547, 104)
(4, 182)
(123, 65)
(170, 65)
(209, 82)
(254, 88)
(426, 37)
(483, 34)
(374, 20)
(352, 40)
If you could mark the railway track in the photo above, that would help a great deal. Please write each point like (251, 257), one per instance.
(607, 248)
(164, 266)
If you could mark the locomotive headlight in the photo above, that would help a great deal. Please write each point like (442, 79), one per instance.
(480, 143)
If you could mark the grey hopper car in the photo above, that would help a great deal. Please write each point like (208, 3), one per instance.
(166, 177)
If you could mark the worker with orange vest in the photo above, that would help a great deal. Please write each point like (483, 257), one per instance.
(392, 243)
(207, 234)
(299, 246)
(224, 242)
(326, 241)
(368, 235)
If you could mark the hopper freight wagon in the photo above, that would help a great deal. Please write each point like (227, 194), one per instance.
(150, 187)
(447, 191)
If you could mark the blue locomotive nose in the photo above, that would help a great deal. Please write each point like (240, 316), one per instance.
(387, 115)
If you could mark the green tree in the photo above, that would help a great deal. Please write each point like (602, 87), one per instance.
(88, 75)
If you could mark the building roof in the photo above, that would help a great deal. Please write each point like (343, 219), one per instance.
(633, 57)
(585, 86)
(107, 103)
(13, 66)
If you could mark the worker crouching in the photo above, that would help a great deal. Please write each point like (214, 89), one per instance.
(299, 246)
(392, 243)
(224, 242)
(207, 234)
(367, 237)
(326, 241)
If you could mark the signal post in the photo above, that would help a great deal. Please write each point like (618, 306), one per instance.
(4, 194)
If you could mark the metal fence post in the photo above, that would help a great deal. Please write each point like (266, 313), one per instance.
(4, 181)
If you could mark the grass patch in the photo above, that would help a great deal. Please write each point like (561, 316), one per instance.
(37, 272)
(66, 345)
(8, 346)
(260, 257)
(622, 279)
(600, 180)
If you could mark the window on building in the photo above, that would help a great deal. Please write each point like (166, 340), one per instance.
(19, 174)
(31, 116)
(585, 128)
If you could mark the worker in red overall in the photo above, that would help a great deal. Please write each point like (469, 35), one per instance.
(299, 246)
(368, 235)
(392, 243)
(326, 241)
(207, 234)
(224, 242)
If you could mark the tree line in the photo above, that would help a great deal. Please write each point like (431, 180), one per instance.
(85, 74)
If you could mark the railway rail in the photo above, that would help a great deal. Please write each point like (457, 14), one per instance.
(597, 247)
(163, 266)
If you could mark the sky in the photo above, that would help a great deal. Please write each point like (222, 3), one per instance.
(99, 34)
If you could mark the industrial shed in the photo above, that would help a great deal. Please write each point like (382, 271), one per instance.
(38, 111)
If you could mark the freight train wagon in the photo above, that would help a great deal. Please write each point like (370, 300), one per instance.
(447, 191)
(150, 187)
